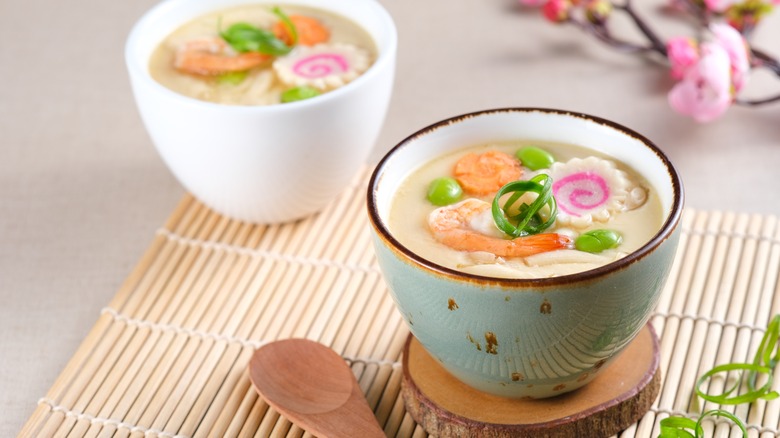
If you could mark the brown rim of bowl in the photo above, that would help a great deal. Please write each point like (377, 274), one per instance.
(669, 225)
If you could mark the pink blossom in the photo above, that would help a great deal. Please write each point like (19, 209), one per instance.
(719, 6)
(556, 10)
(705, 91)
(683, 53)
(734, 44)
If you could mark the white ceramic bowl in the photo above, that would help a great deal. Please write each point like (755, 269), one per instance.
(264, 164)
(526, 337)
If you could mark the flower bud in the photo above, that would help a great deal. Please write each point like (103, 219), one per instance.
(557, 11)
(597, 11)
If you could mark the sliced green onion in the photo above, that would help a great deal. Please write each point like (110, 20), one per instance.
(673, 427)
(287, 23)
(769, 345)
(529, 219)
(764, 392)
(299, 93)
(764, 361)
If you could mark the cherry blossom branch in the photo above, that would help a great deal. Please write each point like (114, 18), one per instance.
(710, 69)
(655, 42)
(603, 34)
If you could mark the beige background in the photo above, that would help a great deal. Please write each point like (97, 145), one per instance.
(82, 189)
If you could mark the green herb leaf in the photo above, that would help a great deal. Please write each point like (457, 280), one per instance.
(243, 37)
(299, 93)
(232, 78)
(529, 218)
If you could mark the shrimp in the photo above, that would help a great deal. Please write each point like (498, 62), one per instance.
(310, 31)
(483, 174)
(213, 56)
(456, 226)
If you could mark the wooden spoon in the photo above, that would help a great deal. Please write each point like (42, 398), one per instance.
(313, 387)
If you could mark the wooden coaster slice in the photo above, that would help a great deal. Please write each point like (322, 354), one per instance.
(614, 400)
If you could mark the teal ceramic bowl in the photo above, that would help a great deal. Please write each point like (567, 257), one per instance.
(526, 338)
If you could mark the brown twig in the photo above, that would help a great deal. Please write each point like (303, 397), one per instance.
(757, 102)
(759, 58)
(655, 42)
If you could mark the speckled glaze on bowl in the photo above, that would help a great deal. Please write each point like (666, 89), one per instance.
(526, 337)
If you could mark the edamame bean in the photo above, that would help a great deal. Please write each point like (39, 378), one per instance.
(534, 158)
(444, 191)
(596, 241)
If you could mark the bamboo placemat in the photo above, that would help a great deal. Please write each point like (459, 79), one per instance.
(167, 357)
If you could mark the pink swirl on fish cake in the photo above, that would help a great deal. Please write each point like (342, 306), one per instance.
(320, 65)
(580, 193)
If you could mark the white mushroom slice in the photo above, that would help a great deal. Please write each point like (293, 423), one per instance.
(591, 190)
(323, 66)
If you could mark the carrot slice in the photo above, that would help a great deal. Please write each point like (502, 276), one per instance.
(310, 31)
(485, 173)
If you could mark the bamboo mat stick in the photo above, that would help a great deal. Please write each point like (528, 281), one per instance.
(261, 335)
(324, 296)
(723, 281)
(749, 316)
(758, 307)
(733, 346)
(232, 365)
(92, 337)
(220, 359)
(80, 389)
(176, 404)
(729, 341)
(240, 362)
(689, 303)
(760, 412)
(343, 250)
(243, 423)
(229, 380)
(136, 357)
(695, 330)
(121, 408)
(363, 281)
(53, 421)
(772, 412)
(346, 313)
(131, 406)
(187, 312)
(648, 423)
(686, 260)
